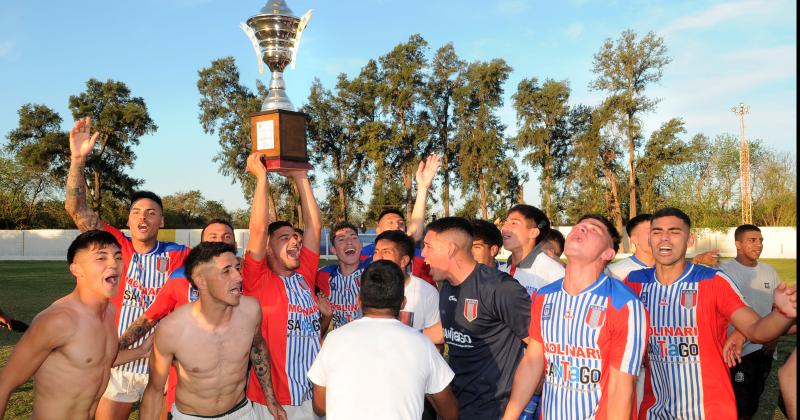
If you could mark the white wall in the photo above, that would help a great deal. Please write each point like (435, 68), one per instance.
(51, 244)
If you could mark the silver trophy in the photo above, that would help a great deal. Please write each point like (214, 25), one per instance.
(275, 33)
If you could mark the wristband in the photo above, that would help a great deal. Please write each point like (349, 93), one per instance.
(784, 314)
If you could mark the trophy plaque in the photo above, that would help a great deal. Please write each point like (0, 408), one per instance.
(278, 130)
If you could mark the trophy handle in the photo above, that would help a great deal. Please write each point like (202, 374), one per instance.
(302, 25)
(252, 35)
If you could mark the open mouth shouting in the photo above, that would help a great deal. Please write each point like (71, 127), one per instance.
(237, 290)
(665, 250)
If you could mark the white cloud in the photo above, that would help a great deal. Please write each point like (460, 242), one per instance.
(5, 48)
(574, 31)
(717, 14)
(510, 7)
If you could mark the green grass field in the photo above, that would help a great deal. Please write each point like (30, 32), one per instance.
(27, 287)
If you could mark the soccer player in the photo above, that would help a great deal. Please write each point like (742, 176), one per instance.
(486, 243)
(280, 274)
(393, 219)
(485, 315)
(756, 280)
(377, 368)
(177, 291)
(690, 307)
(421, 310)
(553, 244)
(211, 342)
(523, 230)
(638, 230)
(147, 264)
(588, 335)
(341, 281)
(71, 345)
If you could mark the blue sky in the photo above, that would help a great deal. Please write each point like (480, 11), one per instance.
(723, 53)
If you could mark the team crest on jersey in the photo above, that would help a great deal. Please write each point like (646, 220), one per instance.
(568, 313)
(162, 263)
(596, 316)
(470, 309)
(193, 294)
(689, 299)
(643, 298)
(766, 285)
(546, 311)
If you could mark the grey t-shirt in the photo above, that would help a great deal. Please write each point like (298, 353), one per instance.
(757, 285)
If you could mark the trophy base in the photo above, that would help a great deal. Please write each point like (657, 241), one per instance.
(277, 165)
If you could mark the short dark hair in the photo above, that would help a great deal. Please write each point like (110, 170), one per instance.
(404, 242)
(636, 221)
(88, 239)
(274, 226)
(382, 286)
(534, 215)
(741, 230)
(215, 222)
(452, 223)
(612, 231)
(486, 231)
(138, 195)
(339, 226)
(555, 235)
(672, 211)
(299, 231)
(202, 253)
(391, 211)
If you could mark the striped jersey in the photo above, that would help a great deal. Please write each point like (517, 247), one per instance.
(418, 266)
(536, 270)
(620, 269)
(583, 337)
(687, 377)
(144, 275)
(342, 292)
(290, 326)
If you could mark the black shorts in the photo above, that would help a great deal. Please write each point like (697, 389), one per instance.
(748, 378)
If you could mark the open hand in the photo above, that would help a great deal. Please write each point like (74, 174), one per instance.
(732, 349)
(786, 299)
(324, 305)
(426, 171)
(709, 258)
(81, 142)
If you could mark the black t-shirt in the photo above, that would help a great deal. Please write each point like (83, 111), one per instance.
(484, 319)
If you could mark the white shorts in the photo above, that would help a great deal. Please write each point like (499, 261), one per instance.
(293, 412)
(125, 387)
(243, 412)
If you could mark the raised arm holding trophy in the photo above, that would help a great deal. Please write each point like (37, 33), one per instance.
(278, 130)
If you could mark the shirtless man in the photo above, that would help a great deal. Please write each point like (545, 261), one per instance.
(71, 345)
(211, 341)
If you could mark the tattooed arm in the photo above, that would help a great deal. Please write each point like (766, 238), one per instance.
(259, 358)
(80, 145)
(136, 331)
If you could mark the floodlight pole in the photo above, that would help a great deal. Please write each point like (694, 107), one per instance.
(744, 167)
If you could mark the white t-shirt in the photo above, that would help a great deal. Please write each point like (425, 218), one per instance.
(757, 285)
(378, 368)
(422, 300)
(541, 272)
(620, 269)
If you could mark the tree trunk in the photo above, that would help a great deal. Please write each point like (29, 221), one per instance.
(409, 204)
(342, 204)
(446, 181)
(482, 188)
(631, 164)
(96, 192)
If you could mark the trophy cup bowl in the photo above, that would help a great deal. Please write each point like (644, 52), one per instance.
(278, 130)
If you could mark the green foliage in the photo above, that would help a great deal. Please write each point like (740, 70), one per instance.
(190, 210)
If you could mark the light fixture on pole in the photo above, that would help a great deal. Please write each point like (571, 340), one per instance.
(744, 167)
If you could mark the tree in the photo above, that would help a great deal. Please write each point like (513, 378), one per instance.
(400, 97)
(484, 167)
(121, 121)
(39, 144)
(190, 210)
(663, 153)
(335, 137)
(442, 82)
(540, 110)
(624, 69)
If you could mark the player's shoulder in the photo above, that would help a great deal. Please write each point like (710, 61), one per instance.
(172, 247)
(368, 250)
(178, 273)
(250, 305)
(645, 275)
(620, 294)
(426, 287)
(58, 321)
(329, 269)
(699, 272)
(548, 263)
(551, 288)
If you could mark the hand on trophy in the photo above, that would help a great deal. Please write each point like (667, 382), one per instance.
(81, 142)
(294, 173)
(256, 165)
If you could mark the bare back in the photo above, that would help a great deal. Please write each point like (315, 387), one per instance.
(211, 361)
(73, 377)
